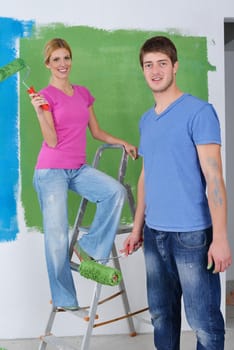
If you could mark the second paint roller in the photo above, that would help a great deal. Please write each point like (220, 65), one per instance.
(100, 273)
(14, 67)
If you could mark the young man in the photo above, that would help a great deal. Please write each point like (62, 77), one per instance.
(181, 206)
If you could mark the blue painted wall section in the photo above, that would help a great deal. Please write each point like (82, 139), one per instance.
(11, 31)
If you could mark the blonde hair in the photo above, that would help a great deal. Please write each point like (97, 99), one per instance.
(54, 44)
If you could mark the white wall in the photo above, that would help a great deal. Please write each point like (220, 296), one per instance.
(24, 292)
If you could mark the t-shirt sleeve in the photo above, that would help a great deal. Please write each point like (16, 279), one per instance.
(206, 126)
(87, 96)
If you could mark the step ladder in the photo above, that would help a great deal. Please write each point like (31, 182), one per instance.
(89, 313)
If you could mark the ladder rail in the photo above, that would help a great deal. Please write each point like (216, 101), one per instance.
(87, 336)
(125, 301)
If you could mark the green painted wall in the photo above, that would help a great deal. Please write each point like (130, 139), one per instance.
(107, 63)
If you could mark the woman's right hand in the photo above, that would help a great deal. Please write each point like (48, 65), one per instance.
(45, 119)
(37, 101)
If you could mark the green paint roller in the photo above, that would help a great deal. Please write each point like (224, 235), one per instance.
(11, 68)
(100, 273)
(14, 67)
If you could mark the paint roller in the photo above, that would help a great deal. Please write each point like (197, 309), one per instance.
(11, 68)
(14, 67)
(100, 273)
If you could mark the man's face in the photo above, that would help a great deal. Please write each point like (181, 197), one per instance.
(159, 71)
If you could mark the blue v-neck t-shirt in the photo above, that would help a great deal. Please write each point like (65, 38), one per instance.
(175, 187)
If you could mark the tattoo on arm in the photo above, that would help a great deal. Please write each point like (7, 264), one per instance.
(216, 195)
(217, 199)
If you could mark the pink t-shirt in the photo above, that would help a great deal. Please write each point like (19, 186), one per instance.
(71, 117)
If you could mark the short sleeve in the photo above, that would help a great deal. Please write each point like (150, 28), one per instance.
(86, 95)
(206, 126)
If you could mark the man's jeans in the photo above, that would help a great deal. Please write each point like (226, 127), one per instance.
(52, 187)
(176, 264)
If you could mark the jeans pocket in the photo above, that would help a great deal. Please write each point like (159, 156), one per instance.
(193, 239)
(44, 177)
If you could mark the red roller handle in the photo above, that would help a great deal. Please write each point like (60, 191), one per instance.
(31, 90)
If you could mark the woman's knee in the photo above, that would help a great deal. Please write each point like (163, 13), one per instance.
(120, 191)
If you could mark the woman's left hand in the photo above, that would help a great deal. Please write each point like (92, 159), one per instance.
(131, 150)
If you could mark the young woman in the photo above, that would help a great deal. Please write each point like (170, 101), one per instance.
(61, 166)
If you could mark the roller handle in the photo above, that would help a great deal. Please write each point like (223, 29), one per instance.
(31, 90)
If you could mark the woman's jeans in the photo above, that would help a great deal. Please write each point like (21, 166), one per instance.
(52, 187)
(176, 265)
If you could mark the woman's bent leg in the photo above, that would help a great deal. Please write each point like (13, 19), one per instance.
(109, 196)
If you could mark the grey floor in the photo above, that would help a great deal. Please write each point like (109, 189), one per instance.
(117, 342)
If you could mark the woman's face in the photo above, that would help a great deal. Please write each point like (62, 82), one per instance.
(60, 63)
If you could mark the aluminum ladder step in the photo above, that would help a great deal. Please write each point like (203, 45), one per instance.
(57, 342)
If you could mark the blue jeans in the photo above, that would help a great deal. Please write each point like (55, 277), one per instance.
(52, 187)
(176, 265)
